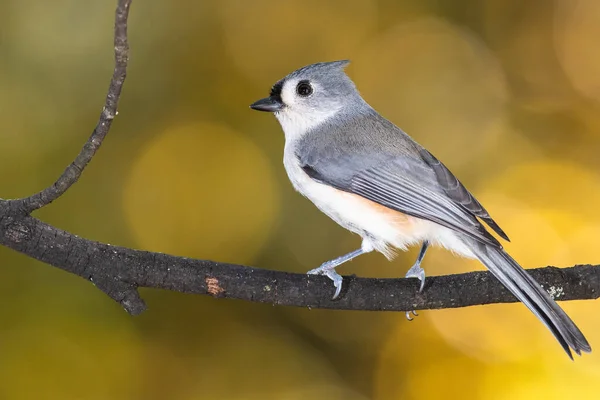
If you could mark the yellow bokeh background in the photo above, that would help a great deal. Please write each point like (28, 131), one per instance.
(196, 168)
(506, 93)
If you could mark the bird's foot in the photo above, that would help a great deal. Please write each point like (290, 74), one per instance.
(328, 269)
(408, 317)
(415, 272)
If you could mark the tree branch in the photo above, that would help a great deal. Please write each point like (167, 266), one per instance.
(109, 111)
(119, 271)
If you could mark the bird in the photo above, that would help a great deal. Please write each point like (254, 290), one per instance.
(373, 179)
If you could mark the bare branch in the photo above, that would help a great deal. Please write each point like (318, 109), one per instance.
(109, 111)
(119, 271)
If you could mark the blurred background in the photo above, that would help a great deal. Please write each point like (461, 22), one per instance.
(505, 92)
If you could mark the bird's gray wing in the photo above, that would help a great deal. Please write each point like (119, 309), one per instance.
(458, 193)
(400, 182)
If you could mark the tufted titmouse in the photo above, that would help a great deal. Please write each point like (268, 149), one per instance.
(373, 179)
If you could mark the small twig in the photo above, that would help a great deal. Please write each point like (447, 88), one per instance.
(109, 111)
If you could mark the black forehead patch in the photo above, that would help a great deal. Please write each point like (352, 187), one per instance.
(276, 89)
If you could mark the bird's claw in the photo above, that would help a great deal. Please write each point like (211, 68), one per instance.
(329, 272)
(408, 317)
(337, 282)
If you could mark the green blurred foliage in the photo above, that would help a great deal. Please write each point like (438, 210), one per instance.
(505, 92)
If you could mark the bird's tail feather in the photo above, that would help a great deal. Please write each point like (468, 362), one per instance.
(527, 290)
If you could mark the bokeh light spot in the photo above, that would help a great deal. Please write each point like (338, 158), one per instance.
(201, 190)
(552, 184)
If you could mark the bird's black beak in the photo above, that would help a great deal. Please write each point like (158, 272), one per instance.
(268, 104)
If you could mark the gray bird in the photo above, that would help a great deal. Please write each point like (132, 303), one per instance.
(374, 180)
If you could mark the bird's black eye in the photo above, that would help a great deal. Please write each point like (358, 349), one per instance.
(304, 89)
